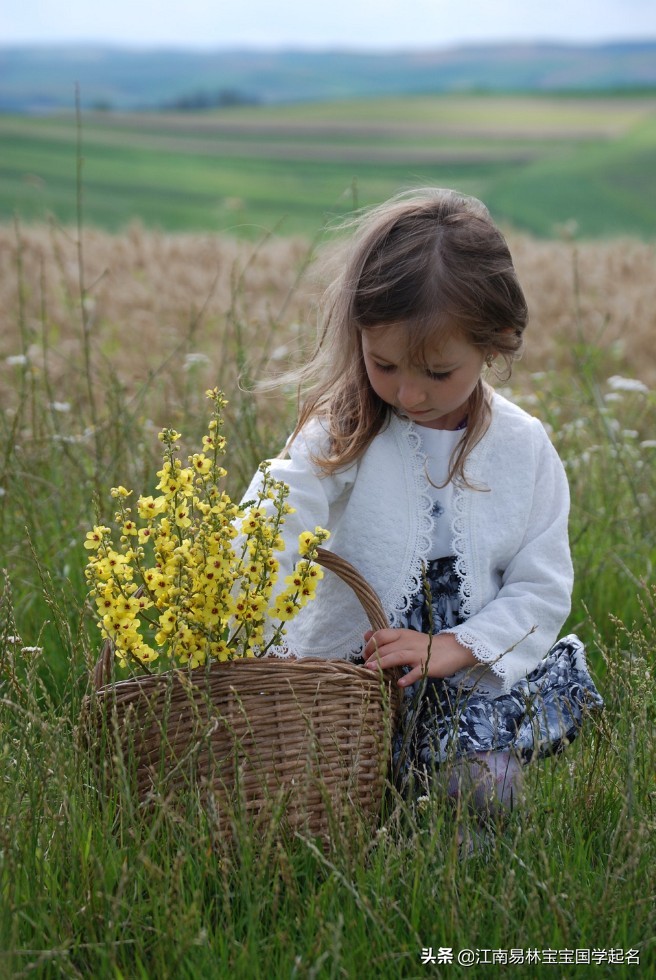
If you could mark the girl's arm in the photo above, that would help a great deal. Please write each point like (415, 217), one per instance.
(521, 618)
(311, 492)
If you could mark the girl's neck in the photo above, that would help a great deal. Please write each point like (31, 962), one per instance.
(447, 425)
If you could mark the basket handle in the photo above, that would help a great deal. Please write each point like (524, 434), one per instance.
(102, 672)
(363, 591)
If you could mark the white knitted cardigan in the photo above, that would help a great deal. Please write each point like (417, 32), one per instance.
(509, 538)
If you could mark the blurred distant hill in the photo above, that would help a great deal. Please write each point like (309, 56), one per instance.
(43, 78)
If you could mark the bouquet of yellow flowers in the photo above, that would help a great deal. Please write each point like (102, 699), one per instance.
(190, 574)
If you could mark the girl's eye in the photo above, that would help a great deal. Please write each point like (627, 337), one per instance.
(386, 368)
(439, 375)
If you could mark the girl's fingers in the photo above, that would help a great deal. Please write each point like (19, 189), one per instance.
(410, 678)
(376, 641)
(396, 648)
(381, 644)
(383, 657)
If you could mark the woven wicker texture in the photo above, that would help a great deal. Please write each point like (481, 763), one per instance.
(305, 738)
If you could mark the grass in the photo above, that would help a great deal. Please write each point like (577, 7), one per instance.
(539, 162)
(87, 889)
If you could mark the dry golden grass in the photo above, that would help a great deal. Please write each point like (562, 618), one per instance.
(600, 293)
(164, 308)
(158, 308)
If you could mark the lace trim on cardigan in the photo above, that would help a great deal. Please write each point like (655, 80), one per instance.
(281, 653)
(482, 653)
(458, 527)
(463, 571)
(400, 602)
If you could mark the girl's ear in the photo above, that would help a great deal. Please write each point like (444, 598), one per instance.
(495, 353)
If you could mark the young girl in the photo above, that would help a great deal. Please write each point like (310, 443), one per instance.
(449, 499)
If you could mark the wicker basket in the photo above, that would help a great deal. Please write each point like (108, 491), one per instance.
(304, 739)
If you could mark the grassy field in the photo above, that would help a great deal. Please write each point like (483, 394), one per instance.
(541, 163)
(105, 339)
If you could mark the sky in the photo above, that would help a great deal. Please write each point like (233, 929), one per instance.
(352, 24)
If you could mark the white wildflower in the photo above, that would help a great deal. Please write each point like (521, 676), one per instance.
(618, 383)
(193, 360)
(17, 360)
(648, 444)
(62, 407)
(68, 440)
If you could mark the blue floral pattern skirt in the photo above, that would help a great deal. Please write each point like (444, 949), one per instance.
(539, 716)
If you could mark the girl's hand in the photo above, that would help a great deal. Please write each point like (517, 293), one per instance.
(438, 656)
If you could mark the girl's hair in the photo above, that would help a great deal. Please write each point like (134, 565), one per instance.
(434, 262)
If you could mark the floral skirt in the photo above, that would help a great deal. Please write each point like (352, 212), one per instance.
(539, 716)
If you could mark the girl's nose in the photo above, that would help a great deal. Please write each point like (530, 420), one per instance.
(411, 396)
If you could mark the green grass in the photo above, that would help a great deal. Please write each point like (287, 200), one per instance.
(539, 163)
(88, 889)
(603, 187)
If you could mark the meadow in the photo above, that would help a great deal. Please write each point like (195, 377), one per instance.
(108, 337)
(542, 163)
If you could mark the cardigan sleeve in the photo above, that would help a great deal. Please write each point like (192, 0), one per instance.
(517, 626)
(312, 492)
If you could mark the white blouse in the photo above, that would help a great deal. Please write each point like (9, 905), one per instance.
(438, 446)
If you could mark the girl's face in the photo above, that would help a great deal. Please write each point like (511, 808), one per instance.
(433, 392)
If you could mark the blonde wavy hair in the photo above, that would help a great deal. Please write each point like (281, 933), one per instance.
(433, 261)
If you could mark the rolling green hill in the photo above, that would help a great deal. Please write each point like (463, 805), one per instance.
(539, 162)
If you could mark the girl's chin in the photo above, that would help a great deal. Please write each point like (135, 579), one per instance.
(416, 415)
(432, 419)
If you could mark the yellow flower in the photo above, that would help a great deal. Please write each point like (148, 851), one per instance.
(182, 518)
(220, 651)
(144, 653)
(119, 564)
(151, 507)
(283, 609)
(168, 621)
(126, 609)
(308, 541)
(186, 481)
(253, 520)
(95, 538)
(200, 463)
(197, 595)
